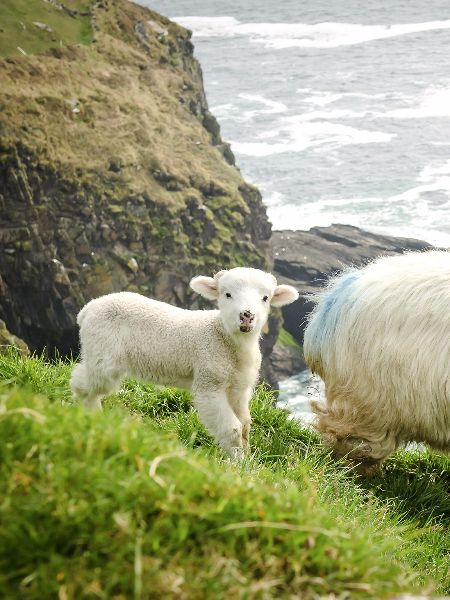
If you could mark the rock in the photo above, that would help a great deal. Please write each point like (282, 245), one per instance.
(157, 28)
(210, 124)
(133, 265)
(227, 153)
(8, 340)
(115, 165)
(305, 259)
(286, 360)
(42, 26)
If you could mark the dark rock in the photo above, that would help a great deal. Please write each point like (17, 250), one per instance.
(286, 361)
(305, 259)
(227, 153)
(115, 165)
(170, 182)
(210, 124)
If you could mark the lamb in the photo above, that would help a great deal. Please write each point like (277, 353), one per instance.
(379, 337)
(215, 353)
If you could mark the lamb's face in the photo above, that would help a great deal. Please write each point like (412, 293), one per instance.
(244, 296)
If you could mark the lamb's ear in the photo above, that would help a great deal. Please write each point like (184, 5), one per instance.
(219, 274)
(284, 294)
(205, 286)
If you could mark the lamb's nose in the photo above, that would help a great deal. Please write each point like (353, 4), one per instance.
(247, 316)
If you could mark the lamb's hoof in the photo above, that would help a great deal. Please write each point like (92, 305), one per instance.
(237, 453)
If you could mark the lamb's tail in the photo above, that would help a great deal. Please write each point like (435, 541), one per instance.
(81, 315)
(79, 381)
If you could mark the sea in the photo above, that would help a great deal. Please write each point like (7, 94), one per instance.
(338, 111)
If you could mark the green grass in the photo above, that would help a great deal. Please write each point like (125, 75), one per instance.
(138, 502)
(286, 339)
(18, 29)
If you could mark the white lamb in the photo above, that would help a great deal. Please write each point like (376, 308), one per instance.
(379, 337)
(215, 353)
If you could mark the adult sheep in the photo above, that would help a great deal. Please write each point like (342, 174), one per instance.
(379, 337)
(215, 353)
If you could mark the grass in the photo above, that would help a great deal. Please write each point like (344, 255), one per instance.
(138, 502)
(18, 29)
(286, 339)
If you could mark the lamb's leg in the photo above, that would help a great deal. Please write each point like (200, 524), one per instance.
(91, 387)
(218, 417)
(239, 399)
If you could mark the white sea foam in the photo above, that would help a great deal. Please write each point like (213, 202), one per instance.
(323, 98)
(435, 103)
(433, 178)
(210, 26)
(297, 135)
(270, 107)
(434, 169)
(274, 199)
(222, 111)
(419, 212)
(302, 35)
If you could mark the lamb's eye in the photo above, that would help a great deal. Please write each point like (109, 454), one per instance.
(265, 298)
(227, 294)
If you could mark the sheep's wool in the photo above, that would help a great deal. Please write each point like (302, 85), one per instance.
(379, 337)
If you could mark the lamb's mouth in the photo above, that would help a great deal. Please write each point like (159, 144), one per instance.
(245, 328)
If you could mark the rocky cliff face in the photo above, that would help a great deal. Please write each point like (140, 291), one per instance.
(113, 175)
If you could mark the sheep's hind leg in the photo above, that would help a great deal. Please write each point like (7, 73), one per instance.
(218, 417)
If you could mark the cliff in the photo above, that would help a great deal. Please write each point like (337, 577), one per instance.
(113, 175)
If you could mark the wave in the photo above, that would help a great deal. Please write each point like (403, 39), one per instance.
(209, 26)
(435, 103)
(301, 35)
(323, 98)
(272, 107)
(433, 178)
(426, 206)
(300, 135)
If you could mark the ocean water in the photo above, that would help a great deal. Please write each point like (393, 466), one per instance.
(338, 111)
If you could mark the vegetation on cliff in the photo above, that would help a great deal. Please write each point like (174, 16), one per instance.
(113, 173)
(138, 502)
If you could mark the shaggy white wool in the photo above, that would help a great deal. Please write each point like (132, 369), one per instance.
(215, 353)
(379, 337)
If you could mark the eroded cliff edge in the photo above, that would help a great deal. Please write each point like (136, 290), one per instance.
(113, 175)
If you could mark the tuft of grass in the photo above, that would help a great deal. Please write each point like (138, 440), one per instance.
(138, 502)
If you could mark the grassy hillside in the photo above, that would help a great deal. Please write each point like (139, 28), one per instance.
(34, 27)
(137, 502)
